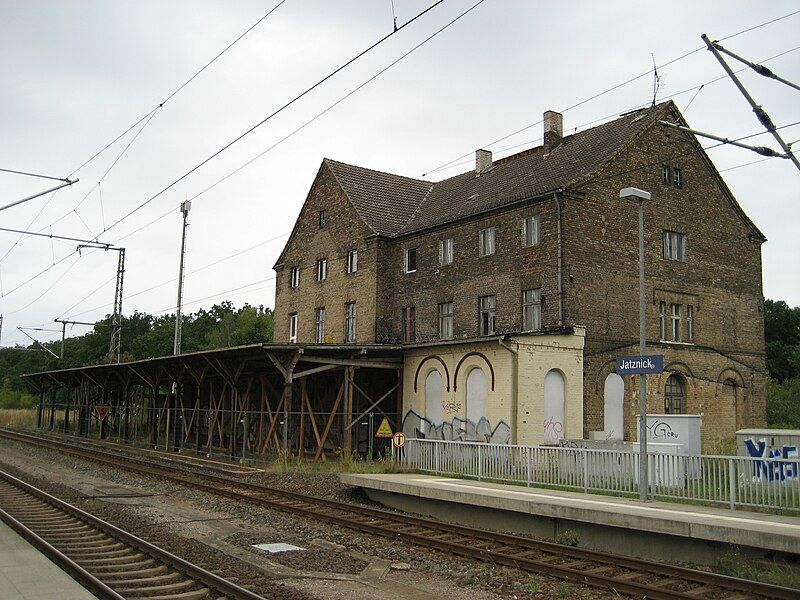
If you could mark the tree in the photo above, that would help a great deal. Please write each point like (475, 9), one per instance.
(782, 337)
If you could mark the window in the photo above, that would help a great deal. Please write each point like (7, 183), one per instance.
(689, 323)
(674, 245)
(531, 310)
(293, 328)
(352, 260)
(677, 177)
(662, 320)
(322, 269)
(321, 219)
(411, 260)
(445, 320)
(294, 277)
(530, 231)
(674, 396)
(350, 322)
(486, 241)
(320, 323)
(409, 324)
(446, 251)
(486, 307)
(665, 175)
(676, 322)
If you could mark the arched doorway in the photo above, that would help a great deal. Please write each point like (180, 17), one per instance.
(613, 397)
(433, 397)
(554, 395)
(476, 395)
(675, 395)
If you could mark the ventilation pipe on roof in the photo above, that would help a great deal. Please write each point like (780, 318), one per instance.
(553, 128)
(483, 160)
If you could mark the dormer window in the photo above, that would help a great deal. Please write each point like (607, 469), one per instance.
(321, 219)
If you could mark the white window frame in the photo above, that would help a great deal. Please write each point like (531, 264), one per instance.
(350, 322)
(675, 246)
(666, 174)
(352, 260)
(662, 320)
(530, 231)
(406, 262)
(322, 269)
(486, 241)
(689, 323)
(446, 320)
(487, 305)
(675, 322)
(319, 324)
(294, 277)
(677, 177)
(293, 328)
(446, 252)
(532, 309)
(322, 219)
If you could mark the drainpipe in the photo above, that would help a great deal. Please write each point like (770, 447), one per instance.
(560, 268)
(514, 385)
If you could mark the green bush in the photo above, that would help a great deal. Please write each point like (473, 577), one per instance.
(783, 404)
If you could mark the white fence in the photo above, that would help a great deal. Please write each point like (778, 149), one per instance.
(730, 480)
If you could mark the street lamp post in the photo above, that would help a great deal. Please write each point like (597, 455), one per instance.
(640, 196)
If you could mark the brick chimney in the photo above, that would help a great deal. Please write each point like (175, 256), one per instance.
(483, 160)
(553, 129)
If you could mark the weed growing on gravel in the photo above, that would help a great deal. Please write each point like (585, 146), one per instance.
(776, 571)
(18, 418)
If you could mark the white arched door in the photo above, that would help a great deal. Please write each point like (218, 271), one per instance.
(613, 396)
(554, 395)
(476, 395)
(433, 397)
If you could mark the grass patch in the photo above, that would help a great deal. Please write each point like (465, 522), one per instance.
(777, 571)
(343, 464)
(18, 418)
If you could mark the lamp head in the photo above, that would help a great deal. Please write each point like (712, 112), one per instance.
(633, 193)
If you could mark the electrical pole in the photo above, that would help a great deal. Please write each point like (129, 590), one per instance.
(64, 329)
(185, 207)
(115, 346)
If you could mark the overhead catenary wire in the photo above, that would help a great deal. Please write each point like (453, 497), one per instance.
(613, 88)
(273, 114)
(146, 118)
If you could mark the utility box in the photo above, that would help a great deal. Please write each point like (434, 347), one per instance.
(674, 429)
(766, 443)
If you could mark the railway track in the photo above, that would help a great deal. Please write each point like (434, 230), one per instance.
(624, 575)
(110, 562)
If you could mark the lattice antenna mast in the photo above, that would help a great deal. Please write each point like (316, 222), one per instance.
(656, 80)
(115, 345)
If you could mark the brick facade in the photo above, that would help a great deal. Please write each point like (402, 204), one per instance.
(721, 367)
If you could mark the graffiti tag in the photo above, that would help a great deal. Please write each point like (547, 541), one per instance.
(455, 430)
(553, 430)
(661, 430)
(773, 470)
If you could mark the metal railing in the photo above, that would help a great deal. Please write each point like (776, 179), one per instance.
(735, 481)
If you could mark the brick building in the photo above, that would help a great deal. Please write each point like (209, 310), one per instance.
(535, 248)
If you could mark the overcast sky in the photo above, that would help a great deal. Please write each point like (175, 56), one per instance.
(76, 74)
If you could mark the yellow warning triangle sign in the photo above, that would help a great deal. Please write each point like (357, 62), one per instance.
(384, 429)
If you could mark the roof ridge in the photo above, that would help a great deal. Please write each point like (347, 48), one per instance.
(339, 162)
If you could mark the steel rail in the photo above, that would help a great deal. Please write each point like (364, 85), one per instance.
(509, 550)
(192, 571)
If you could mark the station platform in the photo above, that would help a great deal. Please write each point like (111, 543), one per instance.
(656, 530)
(27, 574)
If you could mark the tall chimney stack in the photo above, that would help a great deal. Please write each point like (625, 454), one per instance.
(553, 128)
(483, 160)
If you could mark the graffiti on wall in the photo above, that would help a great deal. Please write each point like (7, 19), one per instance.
(553, 431)
(661, 430)
(456, 430)
(773, 470)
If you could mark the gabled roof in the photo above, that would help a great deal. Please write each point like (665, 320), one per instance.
(530, 173)
(393, 205)
(384, 201)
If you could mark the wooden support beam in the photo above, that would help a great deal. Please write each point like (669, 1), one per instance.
(373, 405)
(349, 362)
(306, 373)
(331, 416)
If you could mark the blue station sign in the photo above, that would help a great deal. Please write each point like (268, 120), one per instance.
(640, 365)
